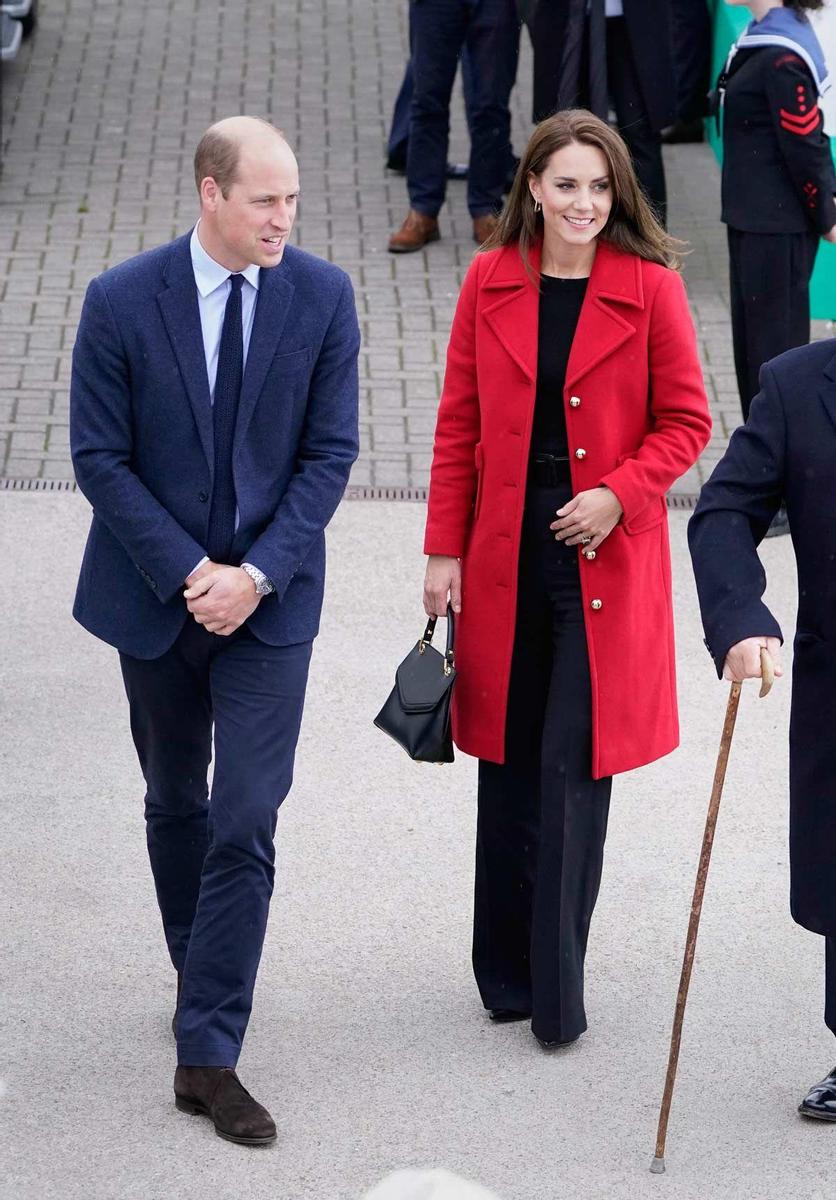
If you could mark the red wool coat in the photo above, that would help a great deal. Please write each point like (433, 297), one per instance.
(637, 418)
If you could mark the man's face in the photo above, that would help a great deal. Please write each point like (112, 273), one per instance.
(252, 223)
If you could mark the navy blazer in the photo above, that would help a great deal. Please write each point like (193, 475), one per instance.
(141, 438)
(787, 449)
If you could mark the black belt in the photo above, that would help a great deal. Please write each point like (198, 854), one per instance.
(549, 470)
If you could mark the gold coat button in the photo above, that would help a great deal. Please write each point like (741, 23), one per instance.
(590, 554)
(580, 453)
(596, 604)
(574, 401)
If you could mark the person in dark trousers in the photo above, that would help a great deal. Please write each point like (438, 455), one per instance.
(786, 450)
(397, 144)
(573, 398)
(213, 424)
(777, 185)
(595, 53)
(691, 24)
(440, 30)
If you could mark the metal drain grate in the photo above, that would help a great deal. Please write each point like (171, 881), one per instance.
(680, 501)
(358, 492)
(38, 485)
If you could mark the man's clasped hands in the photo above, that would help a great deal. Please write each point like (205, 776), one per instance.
(220, 598)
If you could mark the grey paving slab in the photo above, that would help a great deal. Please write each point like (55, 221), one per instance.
(102, 111)
(368, 1041)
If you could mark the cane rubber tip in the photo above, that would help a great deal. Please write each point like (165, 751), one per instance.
(657, 1167)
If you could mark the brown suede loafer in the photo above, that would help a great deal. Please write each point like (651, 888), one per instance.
(415, 233)
(218, 1093)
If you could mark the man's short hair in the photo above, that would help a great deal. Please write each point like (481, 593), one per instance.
(217, 156)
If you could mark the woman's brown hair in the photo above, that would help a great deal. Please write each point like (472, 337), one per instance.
(631, 225)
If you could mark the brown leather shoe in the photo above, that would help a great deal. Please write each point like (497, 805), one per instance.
(483, 227)
(415, 233)
(217, 1092)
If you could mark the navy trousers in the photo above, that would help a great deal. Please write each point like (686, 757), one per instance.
(212, 858)
(440, 30)
(542, 818)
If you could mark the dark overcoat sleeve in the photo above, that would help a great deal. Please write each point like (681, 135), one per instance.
(735, 509)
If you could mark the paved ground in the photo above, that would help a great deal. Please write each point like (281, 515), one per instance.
(368, 1040)
(101, 115)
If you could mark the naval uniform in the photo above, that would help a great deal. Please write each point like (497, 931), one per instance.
(777, 196)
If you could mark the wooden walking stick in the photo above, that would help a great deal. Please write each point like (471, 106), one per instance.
(767, 678)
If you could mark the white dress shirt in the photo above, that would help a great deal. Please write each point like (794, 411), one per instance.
(213, 289)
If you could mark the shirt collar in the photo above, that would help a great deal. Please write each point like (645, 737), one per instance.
(209, 274)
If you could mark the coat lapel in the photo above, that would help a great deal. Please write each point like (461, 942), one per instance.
(615, 283)
(513, 315)
(181, 315)
(828, 391)
(275, 294)
(603, 327)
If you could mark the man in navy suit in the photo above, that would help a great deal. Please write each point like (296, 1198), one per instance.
(786, 449)
(213, 427)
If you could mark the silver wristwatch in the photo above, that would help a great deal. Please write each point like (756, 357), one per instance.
(263, 586)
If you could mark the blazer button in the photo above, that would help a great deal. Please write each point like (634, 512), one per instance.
(590, 554)
(203, 497)
(574, 401)
(580, 453)
(596, 604)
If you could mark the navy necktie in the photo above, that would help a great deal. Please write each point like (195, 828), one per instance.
(224, 414)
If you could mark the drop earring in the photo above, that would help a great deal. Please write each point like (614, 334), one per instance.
(538, 207)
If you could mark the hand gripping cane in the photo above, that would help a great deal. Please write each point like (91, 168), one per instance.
(767, 678)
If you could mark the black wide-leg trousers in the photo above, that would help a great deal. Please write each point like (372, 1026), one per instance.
(542, 818)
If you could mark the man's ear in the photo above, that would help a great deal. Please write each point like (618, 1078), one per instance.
(210, 193)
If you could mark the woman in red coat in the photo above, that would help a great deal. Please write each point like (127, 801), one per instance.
(573, 399)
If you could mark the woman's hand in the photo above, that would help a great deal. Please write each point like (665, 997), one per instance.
(588, 518)
(443, 579)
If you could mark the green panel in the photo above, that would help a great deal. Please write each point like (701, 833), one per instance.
(728, 24)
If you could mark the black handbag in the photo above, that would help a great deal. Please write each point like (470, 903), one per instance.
(417, 713)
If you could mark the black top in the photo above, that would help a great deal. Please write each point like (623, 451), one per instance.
(560, 307)
(777, 171)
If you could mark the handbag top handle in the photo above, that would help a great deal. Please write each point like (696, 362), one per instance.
(449, 655)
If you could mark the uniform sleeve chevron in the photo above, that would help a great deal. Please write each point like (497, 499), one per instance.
(801, 125)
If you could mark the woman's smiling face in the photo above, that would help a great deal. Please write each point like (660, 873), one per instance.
(575, 191)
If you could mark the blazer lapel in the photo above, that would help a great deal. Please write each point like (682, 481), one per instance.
(513, 315)
(828, 390)
(181, 315)
(615, 282)
(275, 294)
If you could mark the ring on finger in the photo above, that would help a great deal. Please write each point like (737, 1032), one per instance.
(585, 539)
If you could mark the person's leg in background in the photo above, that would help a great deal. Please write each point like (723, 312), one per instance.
(438, 30)
(770, 292)
(691, 26)
(492, 42)
(645, 143)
